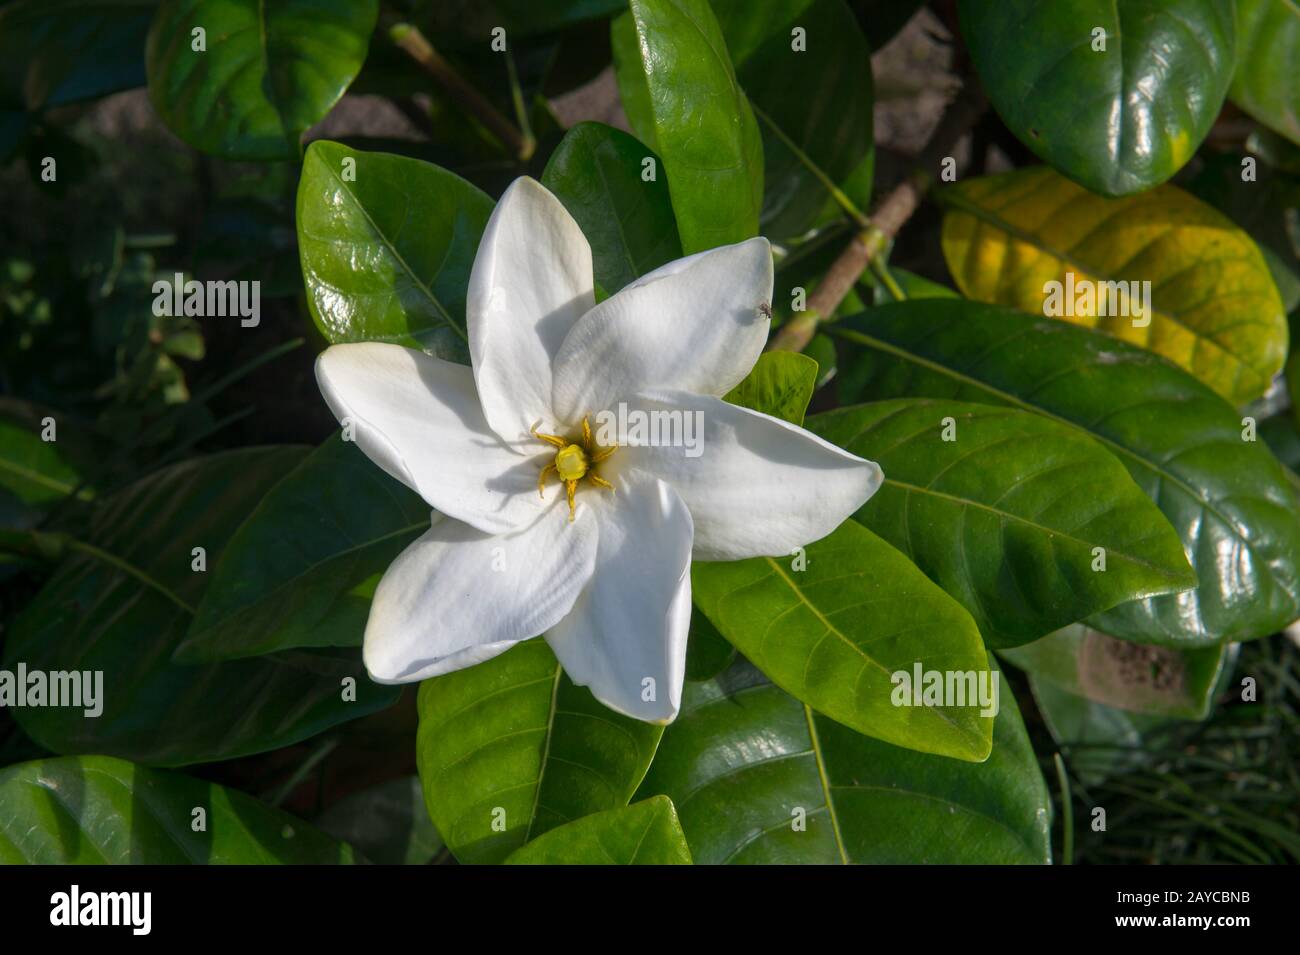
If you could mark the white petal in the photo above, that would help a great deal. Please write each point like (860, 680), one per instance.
(531, 281)
(755, 485)
(631, 622)
(419, 419)
(457, 596)
(692, 325)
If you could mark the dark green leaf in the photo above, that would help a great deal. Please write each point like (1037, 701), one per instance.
(34, 471)
(121, 603)
(707, 652)
(1028, 523)
(813, 104)
(596, 171)
(1228, 499)
(55, 52)
(832, 626)
(510, 748)
(388, 823)
(99, 810)
(682, 98)
(647, 833)
(268, 73)
(745, 762)
(299, 572)
(386, 256)
(1267, 82)
(1118, 120)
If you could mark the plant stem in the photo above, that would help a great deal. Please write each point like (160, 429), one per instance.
(1067, 810)
(889, 218)
(409, 38)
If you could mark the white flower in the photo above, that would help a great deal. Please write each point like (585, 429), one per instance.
(607, 582)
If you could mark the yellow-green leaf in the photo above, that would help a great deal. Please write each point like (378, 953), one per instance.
(1213, 306)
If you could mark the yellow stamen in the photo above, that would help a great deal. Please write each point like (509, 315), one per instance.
(603, 453)
(551, 439)
(541, 480)
(600, 482)
(571, 487)
(586, 433)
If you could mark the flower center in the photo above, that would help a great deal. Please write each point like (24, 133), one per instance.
(575, 460)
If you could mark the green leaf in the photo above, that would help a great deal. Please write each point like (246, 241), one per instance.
(56, 52)
(744, 758)
(1267, 84)
(1029, 524)
(647, 833)
(1118, 120)
(512, 743)
(299, 572)
(121, 601)
(812, 141)
(1159, 681)
(98, 810)
(1213, 309)
(1228, 499)
(682, 98)
(371, 273)
(474, 20)
(707, 652)
(34, 471)
(834, 624)
(596, 171)
(269, 70)
(781, 384)
(388, 823)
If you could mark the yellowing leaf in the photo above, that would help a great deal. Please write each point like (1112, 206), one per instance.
(1213, 306)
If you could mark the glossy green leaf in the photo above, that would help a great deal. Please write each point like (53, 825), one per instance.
(781, 384)
(1213, 309)
(596, 171)
(647, 833)
(1029, 524)
(1228, 499)
(300, 570)
(509, 749)
(760, 778)
(682, 99)
(121, 602)
(812, 140)
(1267, 81)
(387, 255)
(1117, 120)
(387, 823)
(1160, 681)
(834, 624)
(268, 71)
(55, 52)
(88, 810)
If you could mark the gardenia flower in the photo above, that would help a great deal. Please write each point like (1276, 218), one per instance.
(539, 528)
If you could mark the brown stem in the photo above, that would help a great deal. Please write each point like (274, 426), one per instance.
(409, 38)
(889, 218)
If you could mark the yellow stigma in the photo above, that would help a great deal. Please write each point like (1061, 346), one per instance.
(571, 463)
(575, 460)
